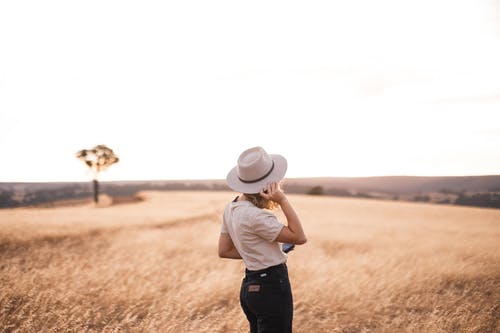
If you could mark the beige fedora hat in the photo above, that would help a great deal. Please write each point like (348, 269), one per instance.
(255, 169)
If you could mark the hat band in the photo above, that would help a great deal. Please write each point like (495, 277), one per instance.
(258, 180)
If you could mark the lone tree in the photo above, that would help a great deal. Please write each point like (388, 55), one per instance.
(97, 159)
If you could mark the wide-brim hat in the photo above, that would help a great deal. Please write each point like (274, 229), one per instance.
(255, 169)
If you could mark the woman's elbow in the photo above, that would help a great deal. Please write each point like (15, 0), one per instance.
(297, 240)
(301, 240)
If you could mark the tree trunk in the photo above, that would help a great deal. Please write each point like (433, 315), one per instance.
(96, 191)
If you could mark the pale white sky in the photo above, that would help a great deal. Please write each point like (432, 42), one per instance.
(179, 89)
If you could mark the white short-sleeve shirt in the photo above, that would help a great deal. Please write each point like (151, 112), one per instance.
(253, 231)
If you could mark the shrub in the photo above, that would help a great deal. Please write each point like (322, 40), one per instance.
(316, 190)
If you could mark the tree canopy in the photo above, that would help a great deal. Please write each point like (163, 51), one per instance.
(98, 158)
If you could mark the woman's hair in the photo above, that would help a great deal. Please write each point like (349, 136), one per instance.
(260, 201)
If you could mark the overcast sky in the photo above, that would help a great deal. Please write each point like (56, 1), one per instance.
(179, 89)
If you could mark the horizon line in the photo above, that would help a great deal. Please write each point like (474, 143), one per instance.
(223, 179)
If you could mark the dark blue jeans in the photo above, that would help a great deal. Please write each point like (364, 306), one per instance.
(266, 300)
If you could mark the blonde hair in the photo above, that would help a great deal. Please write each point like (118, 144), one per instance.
(260, 201)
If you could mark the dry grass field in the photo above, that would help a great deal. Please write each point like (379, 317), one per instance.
(152, 266)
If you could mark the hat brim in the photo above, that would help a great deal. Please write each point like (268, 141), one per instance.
(277, 174)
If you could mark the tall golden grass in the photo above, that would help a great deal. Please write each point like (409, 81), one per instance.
(152, 266)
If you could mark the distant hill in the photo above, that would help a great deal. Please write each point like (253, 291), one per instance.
(470, 190)
(404, 184)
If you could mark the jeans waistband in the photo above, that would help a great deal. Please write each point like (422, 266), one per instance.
(278, 269)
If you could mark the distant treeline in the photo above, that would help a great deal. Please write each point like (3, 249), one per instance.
(489, 199)
(479, 200)
(33, 197)
(39, 195)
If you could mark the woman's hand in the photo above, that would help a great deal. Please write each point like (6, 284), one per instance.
(273, 192)
(292, 233)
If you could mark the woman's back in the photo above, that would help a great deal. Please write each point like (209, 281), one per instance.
(253, 231)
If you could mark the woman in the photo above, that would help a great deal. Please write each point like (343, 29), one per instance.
(251, 232)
